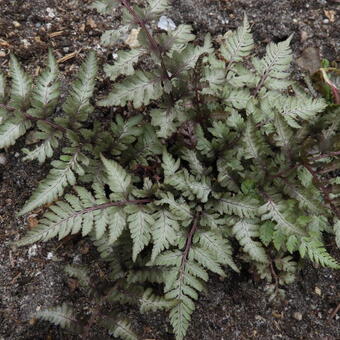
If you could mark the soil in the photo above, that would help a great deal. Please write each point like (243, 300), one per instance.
(32, 278)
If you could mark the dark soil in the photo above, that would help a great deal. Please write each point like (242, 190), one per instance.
(32, 278)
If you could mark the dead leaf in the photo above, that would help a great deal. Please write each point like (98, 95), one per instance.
(132, 39)
(330, 14)
(55, 34)
(67, 57)
(32, 221)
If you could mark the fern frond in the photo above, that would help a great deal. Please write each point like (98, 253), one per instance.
(11, 130)
(278, 212)
(220, 248)
(122, 329)
(77, 105)
(118, 179)
(164, 231)
(151, 302)
(178, 39)
(295, 109)
(50, 141)
(140, 221)
(238, 44)
(284, 133)
(140, 88)
(46, 91)
(167, 120)
(21, 85)
(169, 165)
(317, 253)
(155, 8)
(244, 231)
(117, 225)
(124, 63)
(185, 60)
(177, 206)
(62, 316)
(104, 6)
(195, 164)
(255, 146)
(80, 273)
(237, 205)
(61, 175)
(275, 64)
(125, 132)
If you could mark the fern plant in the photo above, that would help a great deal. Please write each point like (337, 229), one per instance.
(209, 146)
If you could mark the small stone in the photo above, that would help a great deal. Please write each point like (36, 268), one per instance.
(33, 250)
(297, 316)
(3, 159)
(2, 54)
(317, 291)
(50, 12)
(166, 24)
(325, 21)
(16, 24)
(26, 43)
(49, 256)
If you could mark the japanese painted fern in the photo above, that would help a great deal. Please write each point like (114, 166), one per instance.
(208, 145)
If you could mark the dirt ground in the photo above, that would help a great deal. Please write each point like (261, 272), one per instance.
(237, 308)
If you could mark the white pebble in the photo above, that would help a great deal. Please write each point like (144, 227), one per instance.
(32, 251)
(166, 24)
(50, 12)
